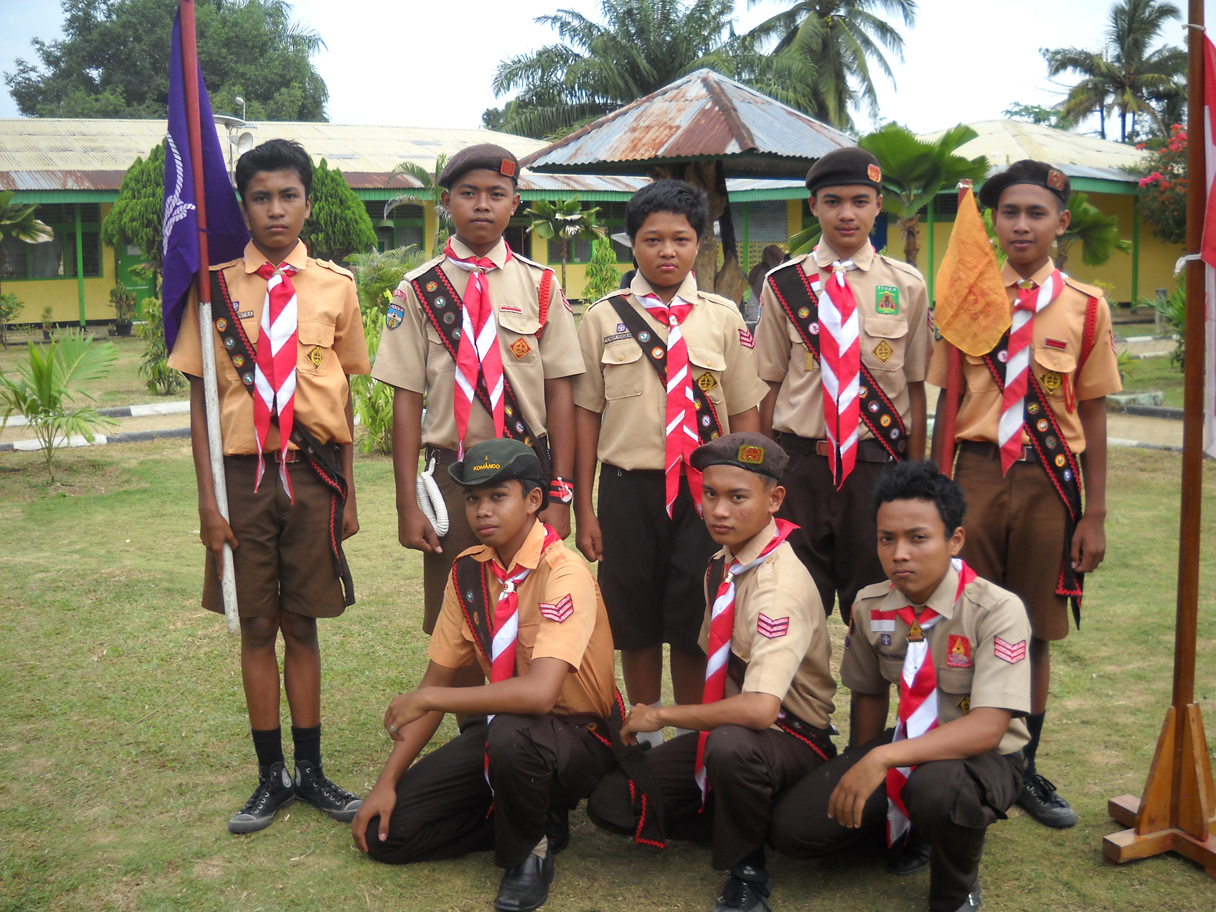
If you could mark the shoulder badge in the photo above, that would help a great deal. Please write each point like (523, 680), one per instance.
(1009, 652)
(559, 611)
(772, 628)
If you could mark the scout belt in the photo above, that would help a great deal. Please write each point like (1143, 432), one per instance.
(322, 457)
(709, 427)
(792, 288)
(473, 593)
(443, 307)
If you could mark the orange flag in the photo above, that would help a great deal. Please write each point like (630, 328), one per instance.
(972, 309)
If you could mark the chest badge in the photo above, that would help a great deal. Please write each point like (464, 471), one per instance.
(316, 357)
(883, 351)
(915, 634)
(519, 348)
(1052, 381)
(958, 652)
(707, 382)
(886, 299)
(965, 704)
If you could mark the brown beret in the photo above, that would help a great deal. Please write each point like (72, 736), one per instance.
(483, 155)
(1026, 171)
(845, 167)
(744, 450)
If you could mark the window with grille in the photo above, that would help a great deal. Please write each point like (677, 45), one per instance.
(577, 251)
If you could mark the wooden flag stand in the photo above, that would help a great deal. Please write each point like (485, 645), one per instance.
(1176, 811)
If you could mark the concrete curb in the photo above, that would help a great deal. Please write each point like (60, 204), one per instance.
(1139, 444)
(28, 446)
(176, 407)
(1152, 411)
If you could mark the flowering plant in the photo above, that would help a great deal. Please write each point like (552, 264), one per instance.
(1163, 188)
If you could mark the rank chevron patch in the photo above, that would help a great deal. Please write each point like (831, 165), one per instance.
(772, 627)
(562, 609)
(1009, 652)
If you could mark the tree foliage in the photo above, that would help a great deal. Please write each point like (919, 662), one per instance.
(1163, 194)
(429, 193)
(1097, 234)
(137, 215)
(565, 220)
(17, 221)
(339, 224)
(113, 61)
(603, 277)
(1037, 114)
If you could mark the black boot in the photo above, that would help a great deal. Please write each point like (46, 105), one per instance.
(746, 889)
(526, 886)
(313, 786)
(275, 789)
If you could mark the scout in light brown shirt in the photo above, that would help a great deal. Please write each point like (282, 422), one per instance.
(1030, 529)
(768, 690)
(539, 740)
(953, 764)
(894, 341)
(536, 345)
(647, 536)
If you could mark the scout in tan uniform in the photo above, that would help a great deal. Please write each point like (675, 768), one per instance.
(763, 724)
(851, 321)
(528, 611)
(668, 367)
(434, 347)
(1025, 448)
(291, 501)
(953, 764)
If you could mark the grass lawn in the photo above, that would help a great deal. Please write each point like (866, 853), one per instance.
(1152, 374)
(124, 743)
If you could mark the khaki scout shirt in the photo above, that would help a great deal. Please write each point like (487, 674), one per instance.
(896, 340)
(1058, 334)
(412, 356)
(624, 388)
(792, 666)
(331, 345)
(963, 645)
(583, 640)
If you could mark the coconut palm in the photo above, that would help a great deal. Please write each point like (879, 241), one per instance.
(1125, 76)
(428, 192)
(566, 220)
(18, 222)
(914, 170)
(843, 39)
(1098, 234)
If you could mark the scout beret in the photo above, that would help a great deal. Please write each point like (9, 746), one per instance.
(1026, 171)
(844, 167)
(744, 450)
(494, 461)
(483, 155)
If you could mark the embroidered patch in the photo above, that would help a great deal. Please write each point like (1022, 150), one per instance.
(621, 327)
(656, 353)
(396, 313)
(706, 381)
(507, 168)
(238, 361)
(746, 339)
(644, 336)
(1009, 652)
(1055, 179)
(316, 357)
(562, 609)
(247, 378)
(883, 351)
(958, 651)
(1052, 381)
(519, 348)
(874, 173)
(965, 704)
(616, 337)
(1060, 461)
(885, 420)
(885, 639)
(803, 313)
(886, 299)
(1042, 425)
(510, 308)
(221, 324)
(1032, 408)
(1057, 344)
(814, 328)
(1002, 356)
(772, 628)
(432, 286)
(882, 621)
(244, 314)
(751, 455)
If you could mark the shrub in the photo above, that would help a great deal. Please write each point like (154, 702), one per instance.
(1163, 202)
(10, 306)
(155, 367)
(603, 278)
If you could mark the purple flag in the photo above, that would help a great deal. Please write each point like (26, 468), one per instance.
(226, 234)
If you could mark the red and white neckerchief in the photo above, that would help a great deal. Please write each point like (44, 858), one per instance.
(917, 701)
(840, 367)
(680, 427)
(1032, 299)
(721, 629)
(478, 353)
(274, 365)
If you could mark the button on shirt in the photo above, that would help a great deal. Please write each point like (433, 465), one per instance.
(622, 386)
(971, 647)
(331, 346)
(412, 355)
(896, 340)
(583, 640)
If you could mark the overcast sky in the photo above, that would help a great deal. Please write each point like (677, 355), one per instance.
(431, 63)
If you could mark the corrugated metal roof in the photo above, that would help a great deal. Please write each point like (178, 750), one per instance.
(702, 116)
(30, 181)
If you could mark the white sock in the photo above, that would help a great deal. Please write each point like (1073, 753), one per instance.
(541, 849)
(655, 738)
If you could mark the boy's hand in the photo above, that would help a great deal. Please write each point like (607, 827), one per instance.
(404, 709)
(641, 719)
(848, 800)
(379, 802)
(558, 516)
(350, 517)
(590, 539)
(1088, 544)
(214, 532)
(415, 531)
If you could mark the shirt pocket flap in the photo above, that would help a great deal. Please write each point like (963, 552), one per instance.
(315, 332)
(518, 323)
(1062, 362)
(955, 680)
(527, 633)
(621, 353)
(886, 327)
(707, 358)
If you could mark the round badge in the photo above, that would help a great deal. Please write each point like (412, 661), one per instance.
(862, 392)
(432, 286)
(894, 433)
(1060, 460)
(656, 353)
(230, 343)
(449, 318)
(902, 445)
(1042, 424)
(1032, 407)
(885, 420)
(804, 313)
(519, 426)
(1002, 356)
(468, 595)
(814, 327)
(441, 301)
(643, 336)
(1051, 443)
(508, 411)
(696, 404)
(705, 421)
(221, 324)
(247, 379)
(238, 361)
(1068, 474)
(875, 406)
(456, 333)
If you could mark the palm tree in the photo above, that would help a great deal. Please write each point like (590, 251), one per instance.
(842, 39)
(567, 221)
(914, 170)
(641, 46)
(18, 222)
(1124, 76)
(429, 191)
(1097, 233)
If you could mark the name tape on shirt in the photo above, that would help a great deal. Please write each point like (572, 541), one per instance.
(772, 627)
(746, 339)
(882, 621)
(559, 611)
(1009, 652)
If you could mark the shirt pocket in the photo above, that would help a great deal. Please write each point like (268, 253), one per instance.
(624, 370)
(800, 352)
(955, 680)
(976, 373)
(526, 641)
(891, 667)
(437, 358)
(316, 347)
(708, 367)
(883, 343)
(1052, 367)
(517, 335)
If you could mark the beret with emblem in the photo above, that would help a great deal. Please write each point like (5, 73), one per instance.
(483, 155)
(845, 167)
(744, 450)
(1026, 171)
(498, 460)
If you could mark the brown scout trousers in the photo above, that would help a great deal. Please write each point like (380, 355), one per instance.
(747, 770)
(437, 568)
(444, 803)
(951, 803)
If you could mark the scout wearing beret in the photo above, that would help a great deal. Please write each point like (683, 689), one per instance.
(526, 609)
(764, 721)
(844, 343)
(952, 765)
(433, 347)
(668, 367)
(1031, 422)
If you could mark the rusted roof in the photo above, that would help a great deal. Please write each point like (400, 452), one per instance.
(30, 181)
(704, 115)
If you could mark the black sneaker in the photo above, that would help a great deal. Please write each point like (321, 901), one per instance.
(910, 856)
(313, 786)
(746, 890)
(275, 789)
(525, 887)
(1040, 801)
(972, 902)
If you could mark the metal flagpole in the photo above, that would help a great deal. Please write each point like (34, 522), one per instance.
(203, 281)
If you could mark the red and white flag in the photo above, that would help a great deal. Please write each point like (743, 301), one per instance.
(1208, 249)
